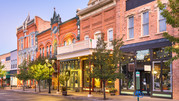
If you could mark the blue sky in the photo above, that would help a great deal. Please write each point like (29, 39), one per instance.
(14, 12)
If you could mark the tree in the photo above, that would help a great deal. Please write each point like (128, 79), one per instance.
(106, 62)
(2, 73)
(41, 72)
(64, 76)
(172, 18)
(23, 73)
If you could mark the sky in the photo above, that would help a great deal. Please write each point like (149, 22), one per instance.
(14, 12)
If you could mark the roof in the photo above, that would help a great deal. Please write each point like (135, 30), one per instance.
(43, 31)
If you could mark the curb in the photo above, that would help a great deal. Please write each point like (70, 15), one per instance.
(73, 97)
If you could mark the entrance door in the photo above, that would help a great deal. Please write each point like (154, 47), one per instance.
(74, 81)
(145, 82)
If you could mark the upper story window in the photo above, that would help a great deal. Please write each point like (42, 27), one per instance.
(97, 35)
(50, 50)
(21, 44)
(86, 37)
(145, 23)
(73, 41)
(47, 50)
(162, 22)
(32, 40)
(110, 34)
(78, 29)
(40, 52)
(131, 27)
(65, 43)
(43, 51)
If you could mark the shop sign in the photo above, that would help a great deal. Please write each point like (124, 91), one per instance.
(147, 68)
(137, 74)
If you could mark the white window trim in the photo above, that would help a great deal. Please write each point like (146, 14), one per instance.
(142, 23)
(128, 27)
(86, 37)
(158, 21)
(96, 33)
(109, 33)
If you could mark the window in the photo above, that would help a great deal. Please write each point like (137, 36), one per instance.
(43, 51)
(162, 22)
(86, 37)
(131, 27)
(21, 44)
(40, 51)
(64, 43)
(145, 23)
(47, 50)
(32, 58)
(110, 33)
(29, 41)
(78, 29)
(73, 40)
(97, 35)
(8, 58)
(32, 40)
(50, 50)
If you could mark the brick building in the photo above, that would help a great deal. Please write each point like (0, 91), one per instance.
(47, 42)
(142, 26)
(78, 38)
(26, 39)
(6, 61)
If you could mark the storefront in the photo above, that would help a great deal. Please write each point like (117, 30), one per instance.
(96, 84)
(73, 65)
(147, 71)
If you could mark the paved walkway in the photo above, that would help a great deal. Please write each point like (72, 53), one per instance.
(84, 95)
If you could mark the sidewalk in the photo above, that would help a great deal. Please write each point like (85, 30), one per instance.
(84, 95)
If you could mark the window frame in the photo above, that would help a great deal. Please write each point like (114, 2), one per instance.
(143, 24)
(130, 28)
(158, 21)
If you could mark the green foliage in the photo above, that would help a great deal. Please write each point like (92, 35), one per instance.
(23, 72)
(64, 76)
(106, 62)
(41, 72)
(172, 18)
(2, 72)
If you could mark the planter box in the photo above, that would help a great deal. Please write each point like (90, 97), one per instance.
(64, 93)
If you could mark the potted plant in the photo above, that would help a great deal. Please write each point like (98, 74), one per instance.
(113, 91)
(63, 79)
(64, 91)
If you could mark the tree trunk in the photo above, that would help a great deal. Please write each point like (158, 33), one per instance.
(35, 86)
(23, 85)
(104, 90)
(39, 85)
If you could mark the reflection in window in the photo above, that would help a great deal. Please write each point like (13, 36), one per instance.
(166, 78)
(156, 76)
(159, 53)
(143, 55)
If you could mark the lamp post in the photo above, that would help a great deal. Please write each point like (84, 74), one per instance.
(49, 66)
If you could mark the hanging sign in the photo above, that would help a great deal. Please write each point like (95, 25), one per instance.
(137, 74)
(147, 68)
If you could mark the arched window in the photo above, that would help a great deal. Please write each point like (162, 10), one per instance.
(97, 35)
(86, 37)
(47, 50)
(50, 50)
(64, 43)
(110, 34)
(73, 40)
(40, 52)
(43, 51)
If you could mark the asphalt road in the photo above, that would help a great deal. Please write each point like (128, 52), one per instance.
(14, 96)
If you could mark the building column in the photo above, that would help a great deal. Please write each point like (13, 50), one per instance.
(175, 73)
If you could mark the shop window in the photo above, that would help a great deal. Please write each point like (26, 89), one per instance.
(162, 22)
(131, 27)
(159, 53)
(86, 74)
(156, 76)
(145, 23)
(166, 78)
(128, 80)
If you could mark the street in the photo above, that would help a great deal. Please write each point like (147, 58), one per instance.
(14, 96)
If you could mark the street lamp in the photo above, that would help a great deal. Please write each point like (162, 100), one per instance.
(49, 66)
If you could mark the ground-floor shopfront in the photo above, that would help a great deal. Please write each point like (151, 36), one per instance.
(147, 70)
